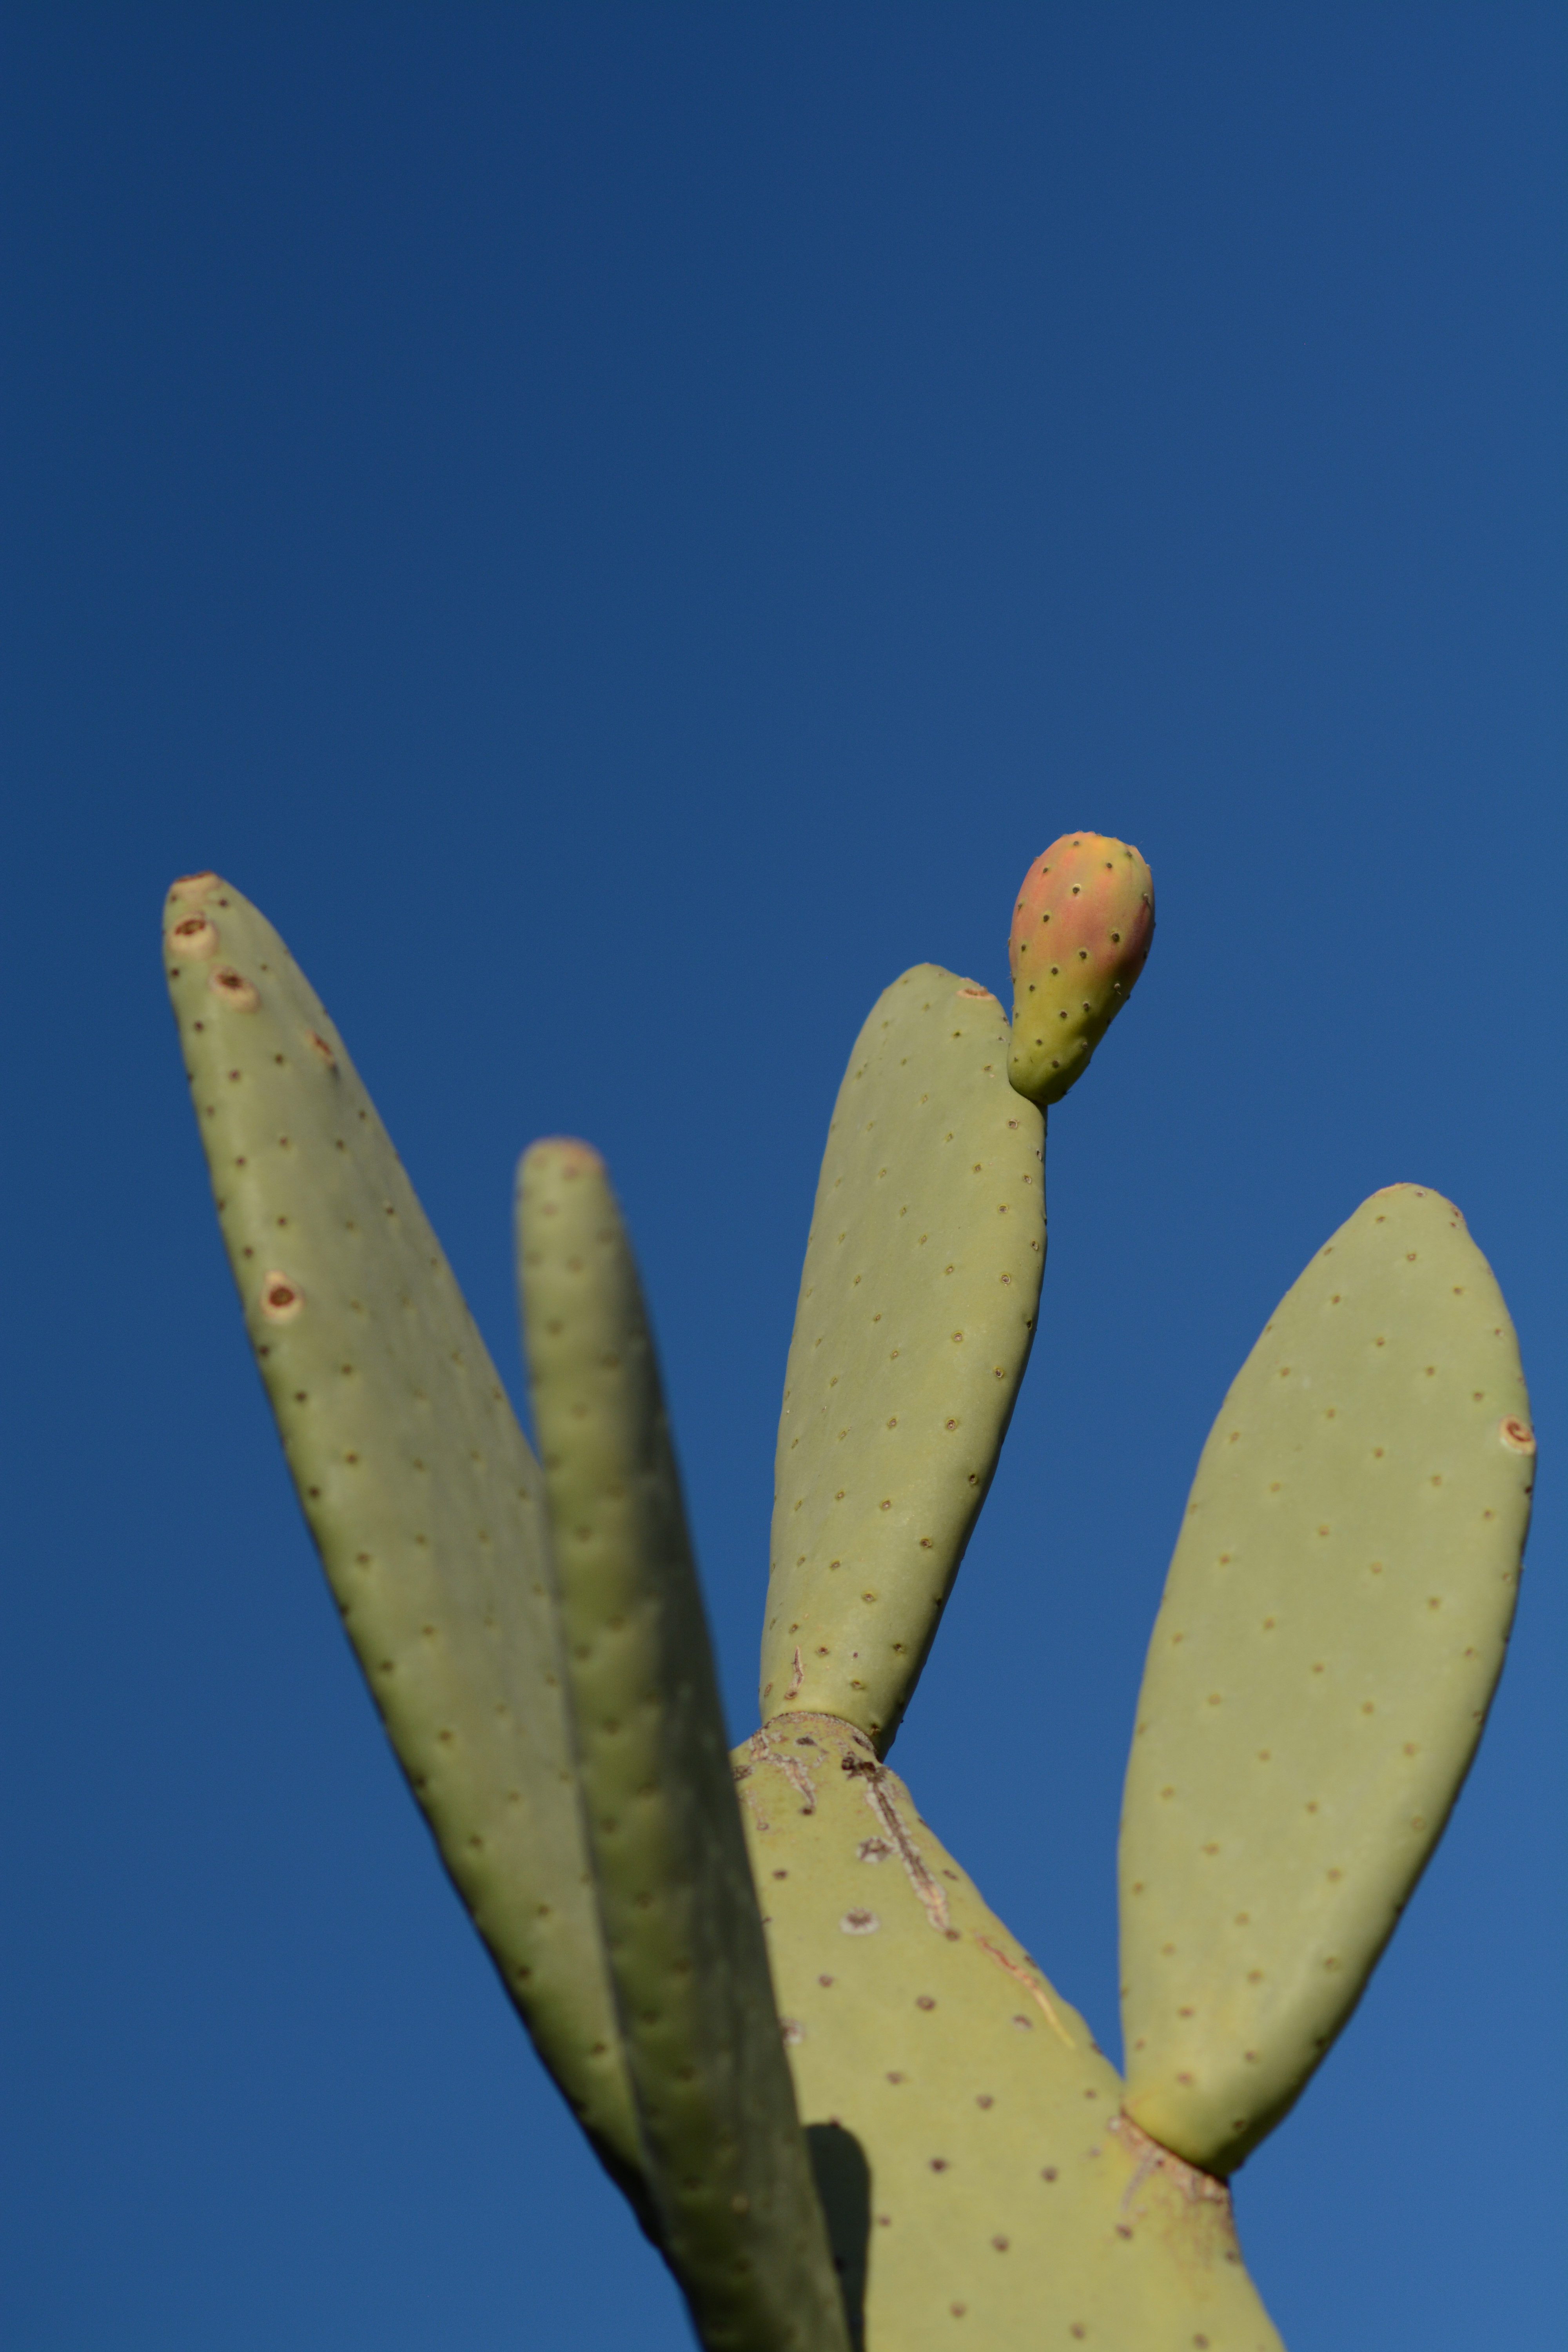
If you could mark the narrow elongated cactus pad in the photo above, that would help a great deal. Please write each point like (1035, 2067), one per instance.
(727, 2164)
(1332, 1628)
(916, 1315)
(1006, 2202)
(420, 1491)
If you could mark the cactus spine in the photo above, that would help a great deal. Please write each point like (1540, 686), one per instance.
(841, 2098)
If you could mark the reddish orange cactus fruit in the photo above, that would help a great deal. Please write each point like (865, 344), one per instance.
(1081, 931)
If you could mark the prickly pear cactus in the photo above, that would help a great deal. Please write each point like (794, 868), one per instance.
(849, 2108)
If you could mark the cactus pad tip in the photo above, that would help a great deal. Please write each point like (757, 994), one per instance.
(568, 1153)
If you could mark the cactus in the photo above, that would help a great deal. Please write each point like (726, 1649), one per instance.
(844, 2101)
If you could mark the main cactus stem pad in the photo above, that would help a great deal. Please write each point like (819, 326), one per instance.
(846, 2103)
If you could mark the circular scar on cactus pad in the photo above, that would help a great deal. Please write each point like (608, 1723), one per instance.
(1081, 931)
(194, 938)
(281, 1299)
(233, 989)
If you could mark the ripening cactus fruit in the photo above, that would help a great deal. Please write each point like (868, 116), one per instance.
(1081, 932)
(848, 2107)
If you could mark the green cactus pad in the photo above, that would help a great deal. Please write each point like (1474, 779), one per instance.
(1332, 1628)
(916, 1315)
(726, 2161)
(1009, 2201)
(419, 1489)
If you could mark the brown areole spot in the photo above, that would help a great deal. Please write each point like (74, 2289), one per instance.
(195, 937)
(233, 988)
(280, 1298)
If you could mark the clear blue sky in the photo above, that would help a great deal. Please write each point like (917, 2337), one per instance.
(622, 527)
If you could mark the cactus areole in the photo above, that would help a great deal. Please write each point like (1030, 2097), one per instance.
(844, 2101)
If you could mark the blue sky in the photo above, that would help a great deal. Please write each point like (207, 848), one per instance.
(622, 527)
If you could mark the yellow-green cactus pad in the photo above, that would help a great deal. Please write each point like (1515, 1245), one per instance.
(990, 2191)
(424, 1499)
(1332, 1628)
(725, 2160)
(916, 1314)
